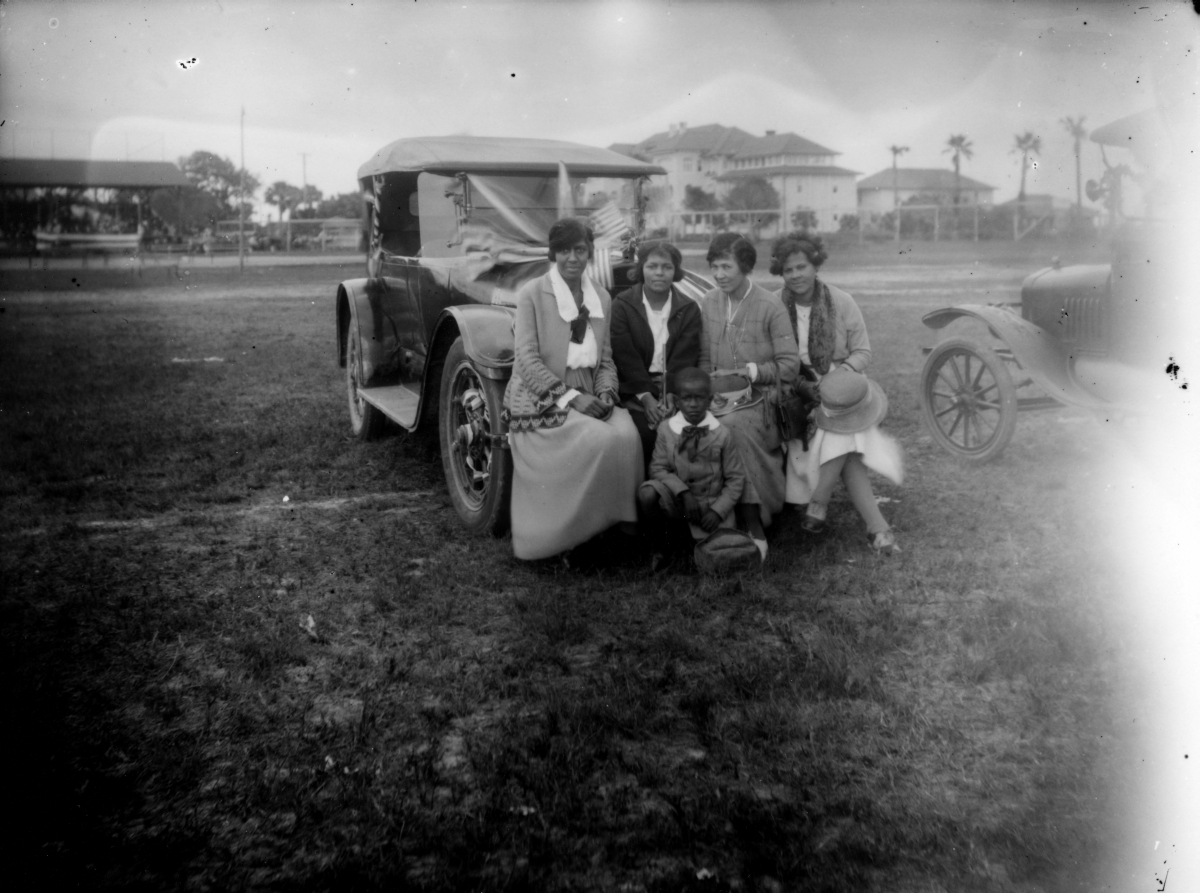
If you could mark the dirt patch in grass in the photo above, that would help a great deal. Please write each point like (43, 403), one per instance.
(216, 688)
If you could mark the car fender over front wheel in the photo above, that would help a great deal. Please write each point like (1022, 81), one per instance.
(475, 455)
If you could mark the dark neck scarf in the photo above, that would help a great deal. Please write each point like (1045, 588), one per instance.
(822, 325)
(579, 325)
(690, 440)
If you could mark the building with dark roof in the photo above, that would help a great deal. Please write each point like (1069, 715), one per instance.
(879, 193)
(83, 173)
(716, 158)
(78, 195)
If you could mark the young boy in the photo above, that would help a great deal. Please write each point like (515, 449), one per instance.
(696, 473)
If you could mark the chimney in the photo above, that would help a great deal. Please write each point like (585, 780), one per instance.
(770, 133)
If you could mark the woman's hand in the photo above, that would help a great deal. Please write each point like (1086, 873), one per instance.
(667, 406)
(692, 511)
(655, 411)
(590, 406)
(710, 522)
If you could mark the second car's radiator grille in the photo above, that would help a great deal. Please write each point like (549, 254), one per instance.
(1086, 322)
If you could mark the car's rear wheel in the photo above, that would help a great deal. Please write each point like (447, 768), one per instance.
(969, 400)
(366, 421)
(475, 456)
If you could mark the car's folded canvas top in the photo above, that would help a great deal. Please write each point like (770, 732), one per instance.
(452, 154)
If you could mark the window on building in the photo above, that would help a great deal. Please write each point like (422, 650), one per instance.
(689, 164)
(835, 189)
(798, 187)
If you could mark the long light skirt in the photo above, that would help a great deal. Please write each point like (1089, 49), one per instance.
(572, 482)
(880, 452)
(757, 439)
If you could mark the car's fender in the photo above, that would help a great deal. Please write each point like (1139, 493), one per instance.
(1041, 356)
(359, 304)
(487, 334)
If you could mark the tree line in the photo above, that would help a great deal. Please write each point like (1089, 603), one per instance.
(218, 188)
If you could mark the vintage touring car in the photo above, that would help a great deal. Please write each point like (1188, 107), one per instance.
(1101, 337)
(457, 225)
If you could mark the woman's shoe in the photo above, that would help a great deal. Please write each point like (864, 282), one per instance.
(884, 542)
(814, 518)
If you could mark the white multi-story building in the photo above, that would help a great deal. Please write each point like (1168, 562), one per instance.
(716, 158)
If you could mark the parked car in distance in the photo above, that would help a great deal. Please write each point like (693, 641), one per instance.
(457, 225)
(1092, 336)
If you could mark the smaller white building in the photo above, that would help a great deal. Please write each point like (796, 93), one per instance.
(880, 193)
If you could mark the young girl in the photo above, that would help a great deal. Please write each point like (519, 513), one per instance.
(833, 342)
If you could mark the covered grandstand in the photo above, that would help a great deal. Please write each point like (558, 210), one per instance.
(80, 204)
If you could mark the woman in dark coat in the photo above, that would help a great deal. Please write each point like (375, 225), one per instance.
(655, 332)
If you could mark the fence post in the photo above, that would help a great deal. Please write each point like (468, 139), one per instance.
(1016, 221)
(896, 237)
(977, 223)
(935, 224)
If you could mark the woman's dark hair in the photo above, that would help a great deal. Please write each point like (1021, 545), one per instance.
(569, 232)
(736, 246)
(807, 242)
(646, 249)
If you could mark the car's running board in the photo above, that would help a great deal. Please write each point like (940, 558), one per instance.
(398, 402)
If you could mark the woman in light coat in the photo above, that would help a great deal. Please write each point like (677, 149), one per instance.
(576, 454)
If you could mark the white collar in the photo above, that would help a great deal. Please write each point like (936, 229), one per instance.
(666, 308)
(677, 422)
(566, 301)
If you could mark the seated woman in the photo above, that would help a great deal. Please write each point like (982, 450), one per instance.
(747, 333)
(576, 462)
(832, 336)
(655, 333)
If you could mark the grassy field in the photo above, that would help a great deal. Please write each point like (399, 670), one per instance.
(248, 652)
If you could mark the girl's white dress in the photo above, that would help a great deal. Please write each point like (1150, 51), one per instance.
(880, 452)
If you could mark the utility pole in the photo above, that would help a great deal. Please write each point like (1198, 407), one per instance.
(304, 177)
(896, 151)
(242, 199)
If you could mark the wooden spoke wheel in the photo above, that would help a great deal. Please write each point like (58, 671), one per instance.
(968, 400)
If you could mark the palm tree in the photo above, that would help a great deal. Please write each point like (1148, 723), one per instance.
(961, 147)
(281, 195)
(1027, 144)
(1078, 132)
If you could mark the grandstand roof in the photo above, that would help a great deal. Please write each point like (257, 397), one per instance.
(84, 173)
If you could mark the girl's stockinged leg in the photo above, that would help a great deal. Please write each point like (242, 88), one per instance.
(854, 473)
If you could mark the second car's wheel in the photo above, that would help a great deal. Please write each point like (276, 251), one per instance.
(968, 400)
(475, 457)
(366, 421)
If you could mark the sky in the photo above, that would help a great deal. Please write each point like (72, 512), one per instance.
(325, 84)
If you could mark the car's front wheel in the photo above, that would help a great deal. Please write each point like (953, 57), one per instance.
(475, 456)
(366, 421)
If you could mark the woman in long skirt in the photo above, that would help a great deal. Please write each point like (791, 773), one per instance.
(576, 454)
(747, 337)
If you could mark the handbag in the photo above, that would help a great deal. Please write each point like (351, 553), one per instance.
(795, 407)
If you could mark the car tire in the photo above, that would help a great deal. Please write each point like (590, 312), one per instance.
(968, 400)
(366, 422)
(477, 464)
